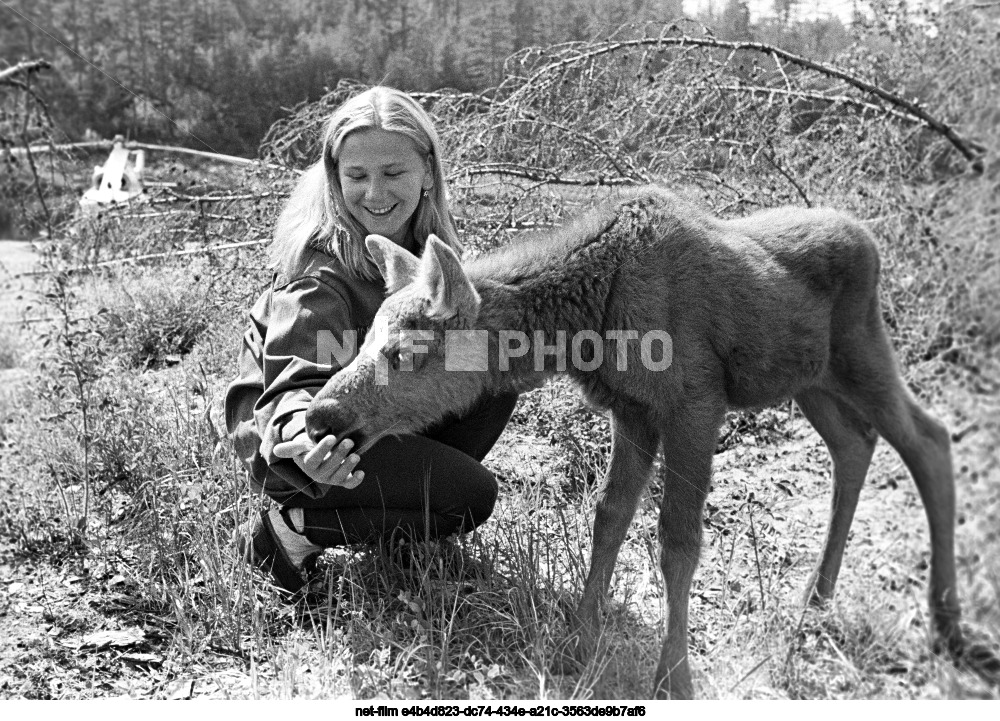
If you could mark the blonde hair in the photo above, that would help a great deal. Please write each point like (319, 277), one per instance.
(316, 214)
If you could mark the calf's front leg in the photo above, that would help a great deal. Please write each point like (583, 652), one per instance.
(634, 446)
(688, 447)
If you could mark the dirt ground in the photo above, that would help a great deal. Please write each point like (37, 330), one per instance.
(16, 256)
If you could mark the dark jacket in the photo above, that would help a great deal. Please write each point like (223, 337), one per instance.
(285, 360)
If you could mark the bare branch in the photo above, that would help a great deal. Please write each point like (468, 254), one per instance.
(224, 198)
(107, 144)
(973, 6)
(819, 97)
(540, 175)
(26, 67)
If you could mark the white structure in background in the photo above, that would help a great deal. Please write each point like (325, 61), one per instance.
(118, 180)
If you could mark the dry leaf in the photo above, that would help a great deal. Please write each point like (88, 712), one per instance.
(120, 639)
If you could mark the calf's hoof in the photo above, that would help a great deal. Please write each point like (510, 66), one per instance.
(572, 655)
(818, 593)
(983, 661)
(673, 680)
(673, 689)
(978, 657)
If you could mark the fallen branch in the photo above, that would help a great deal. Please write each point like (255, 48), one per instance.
(537, 174)
(235, 160)
(7, 75)
(107, 145)
(809, 95)
(471, 98)
(969, 150)
(48, 319)
(974, 6)
(135, 258)
(224, 198)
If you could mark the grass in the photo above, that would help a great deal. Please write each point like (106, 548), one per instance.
(484, 617)
(156, 320)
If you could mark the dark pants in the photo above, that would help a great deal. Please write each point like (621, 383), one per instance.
(416, 486)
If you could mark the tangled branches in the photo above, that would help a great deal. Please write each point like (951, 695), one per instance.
(747, 123)
(24, 118)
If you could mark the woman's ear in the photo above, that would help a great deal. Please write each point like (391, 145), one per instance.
(428, 172)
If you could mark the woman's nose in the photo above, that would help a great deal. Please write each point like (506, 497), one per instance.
(375, 189)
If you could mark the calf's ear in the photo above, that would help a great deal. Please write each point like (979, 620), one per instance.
(398, 266)
(448, 287)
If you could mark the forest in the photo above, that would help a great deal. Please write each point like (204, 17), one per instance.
(216, 74)
(120, 491)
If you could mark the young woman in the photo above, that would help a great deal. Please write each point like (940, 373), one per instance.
(380, 172)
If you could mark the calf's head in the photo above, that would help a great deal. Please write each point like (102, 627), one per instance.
(401, 381)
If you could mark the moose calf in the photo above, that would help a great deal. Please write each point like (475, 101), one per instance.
(671, 317)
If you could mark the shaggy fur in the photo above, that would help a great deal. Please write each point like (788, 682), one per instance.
(782, 304)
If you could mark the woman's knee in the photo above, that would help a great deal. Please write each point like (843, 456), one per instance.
(481, 499)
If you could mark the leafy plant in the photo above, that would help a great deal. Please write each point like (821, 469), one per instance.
(157, 317)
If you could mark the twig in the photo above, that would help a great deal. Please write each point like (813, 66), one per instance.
(224, 198)
(28, 90)
(751, 672)
(153, 214)
(781, 69)
(25, 66)
(788, 176)
(632, 173)
(136, 258)
(973, 6)
(217, 216)
(445, 95)
(756, 556)
(31, 160)
(32, 321)
(538, 175)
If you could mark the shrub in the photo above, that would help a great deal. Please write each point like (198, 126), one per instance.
(157, 317)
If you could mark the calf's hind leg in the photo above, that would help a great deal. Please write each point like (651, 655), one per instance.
(867, 376)
(925, 447)
(851, 441)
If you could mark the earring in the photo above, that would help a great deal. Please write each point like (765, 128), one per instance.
(427, 192)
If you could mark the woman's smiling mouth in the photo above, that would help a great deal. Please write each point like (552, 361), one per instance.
(381, 211)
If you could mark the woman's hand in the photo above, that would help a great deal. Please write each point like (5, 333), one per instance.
(327, 462)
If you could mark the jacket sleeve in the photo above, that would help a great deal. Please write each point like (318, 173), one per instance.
(309, 320)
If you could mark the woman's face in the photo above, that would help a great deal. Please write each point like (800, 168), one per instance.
(383, 175)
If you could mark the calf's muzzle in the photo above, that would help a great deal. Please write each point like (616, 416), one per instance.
(326, 417)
